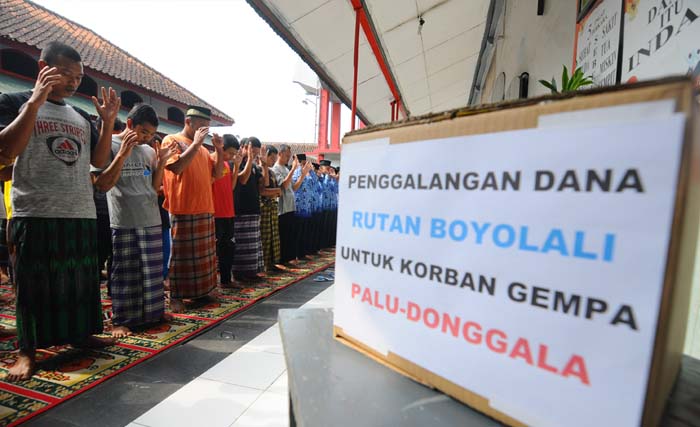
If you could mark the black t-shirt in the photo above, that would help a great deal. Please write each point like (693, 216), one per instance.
(247, 197)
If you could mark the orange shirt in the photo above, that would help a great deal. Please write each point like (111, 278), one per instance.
(190, 192)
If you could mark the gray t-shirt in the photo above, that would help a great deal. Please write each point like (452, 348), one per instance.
(51, 178)
(286, 203)
(133, 203)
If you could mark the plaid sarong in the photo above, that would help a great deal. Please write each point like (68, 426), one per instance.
(136, 276)
(58, 284)
(248, 255)
(193, 256)
(270, 232)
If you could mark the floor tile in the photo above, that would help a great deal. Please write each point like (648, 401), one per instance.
(201, 403)
(270, 410)
(281, 385)
(248, 368)
(269, 341)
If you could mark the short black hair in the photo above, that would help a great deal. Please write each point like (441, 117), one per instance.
(231, 141)
(143, 113)
(244, 142)
(53, 50)
(284, 147)
(255, 142)
(271, 150)
(118, 125)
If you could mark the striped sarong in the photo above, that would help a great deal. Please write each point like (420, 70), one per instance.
(270, 232)
(248, 255)
(193, 256)
(136, 276)
(58, 283)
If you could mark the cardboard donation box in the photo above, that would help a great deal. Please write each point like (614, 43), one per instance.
(532, 260)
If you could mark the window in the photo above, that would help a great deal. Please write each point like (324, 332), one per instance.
(129, 98)
(88, 86)
(19, 63)
(175, 115)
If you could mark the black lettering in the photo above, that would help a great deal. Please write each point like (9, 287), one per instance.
(595, 306)
(572, 304)
(539, 294)
(632, 181)
(625, 315)
(517, 292)
(544, 180)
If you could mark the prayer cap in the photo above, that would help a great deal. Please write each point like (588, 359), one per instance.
(201, 112)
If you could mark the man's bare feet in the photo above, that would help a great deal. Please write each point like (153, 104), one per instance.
(95, 342)
(23, 368)
(177, 306)
(121, 332)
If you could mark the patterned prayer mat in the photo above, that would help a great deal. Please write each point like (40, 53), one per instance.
(65, 372)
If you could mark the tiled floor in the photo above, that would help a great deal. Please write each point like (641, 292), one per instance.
(132, 394)
(247, 388)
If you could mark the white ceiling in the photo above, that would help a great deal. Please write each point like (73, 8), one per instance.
(433, 67)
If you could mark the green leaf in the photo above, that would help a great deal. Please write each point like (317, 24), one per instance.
(564, 78)
(549, 85)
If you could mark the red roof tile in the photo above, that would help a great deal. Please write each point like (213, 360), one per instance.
(28, 23)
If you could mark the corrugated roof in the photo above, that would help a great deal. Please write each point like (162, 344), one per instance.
(28, 23)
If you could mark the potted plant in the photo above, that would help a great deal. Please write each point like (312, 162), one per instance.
(568, 84)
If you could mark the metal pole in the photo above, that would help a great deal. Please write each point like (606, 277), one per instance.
(356, 61)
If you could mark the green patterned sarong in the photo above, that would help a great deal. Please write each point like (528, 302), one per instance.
(58, 287)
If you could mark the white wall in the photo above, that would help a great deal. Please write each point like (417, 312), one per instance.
(539, 45)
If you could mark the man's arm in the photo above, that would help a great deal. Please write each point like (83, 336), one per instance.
(186, 157)
(108, 113)
(109, 177)
(15, 136)
(234, 171)
(287, 181)
(218, 170)
(304, 171)
(244, 175)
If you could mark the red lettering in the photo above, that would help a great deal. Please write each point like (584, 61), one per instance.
(476, 337)
(376, 301)
(389, 308)
(413, 312)
(436, 318)
(355, 290)
(499, 346)
(542, 359)
(522, 349)
(453, 325)
(367, 296)
(576, 367)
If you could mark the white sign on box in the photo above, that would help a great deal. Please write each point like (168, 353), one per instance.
(525, 266)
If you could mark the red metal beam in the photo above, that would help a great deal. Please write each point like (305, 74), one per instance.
(376, 50)
(323, 119)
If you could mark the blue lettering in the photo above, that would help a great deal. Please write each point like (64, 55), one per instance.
(480, 231)
(609, 247)
(555, 242)
(413, 225)
(578, 247)
(523, 241)
(497, 232)
(396, 225)
(370, 225)
(383, 218)
(357, 219)
(458, 230)
(437, 228)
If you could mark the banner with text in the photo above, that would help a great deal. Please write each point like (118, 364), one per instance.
(598, 41)
(524, 266)
(662, 38)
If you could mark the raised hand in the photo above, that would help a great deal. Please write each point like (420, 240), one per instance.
(295, 163)
(200, 134)
(47, 79)
(109, 108)
(237, 160)
(218, 142)
(128, 143)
